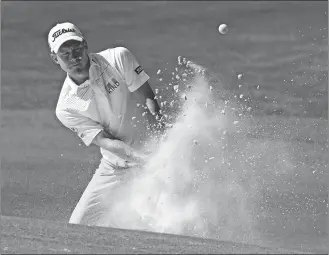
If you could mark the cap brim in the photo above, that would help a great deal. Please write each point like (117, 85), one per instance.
(65, 39)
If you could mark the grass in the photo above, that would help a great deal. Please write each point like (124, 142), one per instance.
(280, 47)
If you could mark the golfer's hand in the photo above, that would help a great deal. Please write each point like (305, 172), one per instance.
(129, 164)
(135, 157)
(137, 160)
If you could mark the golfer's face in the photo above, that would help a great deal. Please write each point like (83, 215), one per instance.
(72, 56)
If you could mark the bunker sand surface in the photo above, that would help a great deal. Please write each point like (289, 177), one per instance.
(22, 235)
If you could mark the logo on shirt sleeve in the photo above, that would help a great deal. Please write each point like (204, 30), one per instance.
(139, 69)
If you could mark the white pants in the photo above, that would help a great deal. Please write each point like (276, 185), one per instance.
(104, 189)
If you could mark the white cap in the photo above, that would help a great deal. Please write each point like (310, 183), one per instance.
(61, 33)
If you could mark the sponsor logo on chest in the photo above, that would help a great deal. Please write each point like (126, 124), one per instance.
(111, 86)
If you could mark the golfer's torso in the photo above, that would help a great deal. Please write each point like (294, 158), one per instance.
(117, 109)
(107, 100)
(118, 112)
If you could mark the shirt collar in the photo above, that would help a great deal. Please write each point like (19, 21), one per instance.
(74, 87)
(93, 60)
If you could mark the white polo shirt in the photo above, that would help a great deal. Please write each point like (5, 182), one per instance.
(105, 101)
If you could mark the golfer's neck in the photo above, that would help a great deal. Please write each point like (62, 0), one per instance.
(79, 78)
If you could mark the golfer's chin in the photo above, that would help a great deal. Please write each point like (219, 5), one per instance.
(75, 66)
(79, 67)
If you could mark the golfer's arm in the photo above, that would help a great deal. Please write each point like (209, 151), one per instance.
(147, 94)
(109, 143)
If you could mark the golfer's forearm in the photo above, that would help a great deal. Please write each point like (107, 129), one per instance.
(147, 97)
(117, 147)
(153, 107)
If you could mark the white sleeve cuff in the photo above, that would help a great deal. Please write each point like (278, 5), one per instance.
(140, 82)
(88, 136)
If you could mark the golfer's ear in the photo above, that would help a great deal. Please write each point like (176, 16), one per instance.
(85, 44)
(54, 57)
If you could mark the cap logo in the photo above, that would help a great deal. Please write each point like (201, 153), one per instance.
(62, 31)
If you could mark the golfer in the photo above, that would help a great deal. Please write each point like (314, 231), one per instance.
(107, 101)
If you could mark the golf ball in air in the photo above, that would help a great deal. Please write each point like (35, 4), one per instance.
(222, 29)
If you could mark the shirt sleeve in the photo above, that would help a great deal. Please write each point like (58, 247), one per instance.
(133, 72)
(84, 127)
